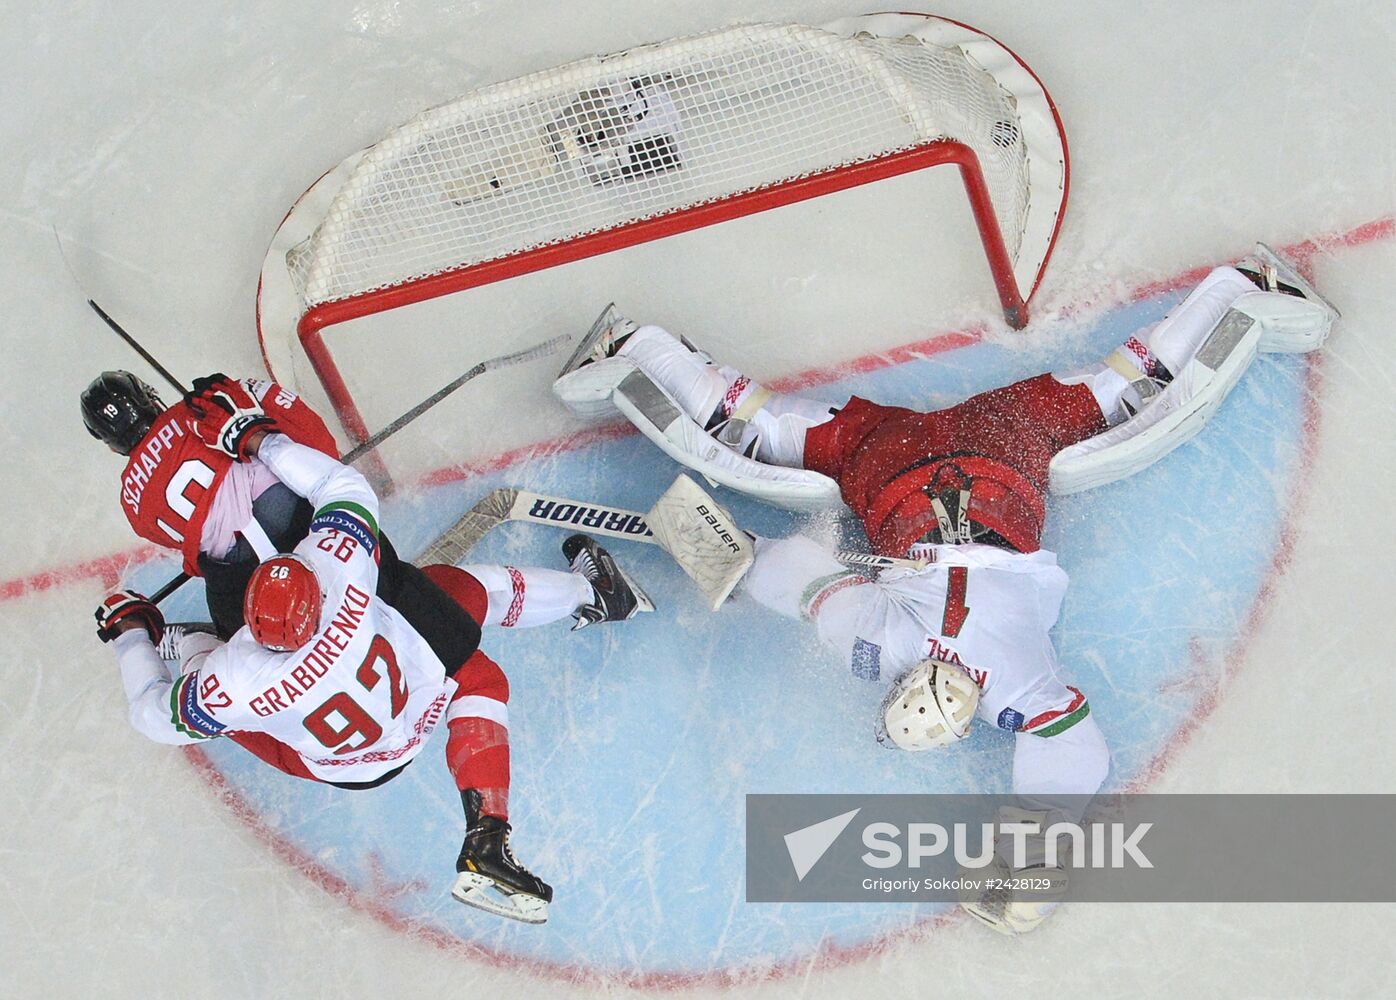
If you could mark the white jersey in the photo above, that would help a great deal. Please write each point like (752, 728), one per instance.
(358, 700)
(987, 609)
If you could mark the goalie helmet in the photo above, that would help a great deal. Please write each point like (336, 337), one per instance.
(930, 706)
(118, 409)
(283, 602)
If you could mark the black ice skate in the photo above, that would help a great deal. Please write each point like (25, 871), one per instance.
(616, 598)
(489, 878)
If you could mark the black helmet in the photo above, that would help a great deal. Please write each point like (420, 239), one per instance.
(119, 408)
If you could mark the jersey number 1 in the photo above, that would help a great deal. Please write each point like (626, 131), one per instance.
(357, 721)
(956, 611)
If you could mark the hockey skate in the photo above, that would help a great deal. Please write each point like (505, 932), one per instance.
(171, 647)
(1014, 901)
(1014, 911)
(584, 384)
(616, 598)
(1296, 326)
(489, 878)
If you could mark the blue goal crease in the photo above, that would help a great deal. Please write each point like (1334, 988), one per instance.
(635, 744)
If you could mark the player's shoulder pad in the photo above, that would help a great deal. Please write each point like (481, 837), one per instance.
(349, 518)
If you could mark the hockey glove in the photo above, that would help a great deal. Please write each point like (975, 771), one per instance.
(123, 607)
(225, 415)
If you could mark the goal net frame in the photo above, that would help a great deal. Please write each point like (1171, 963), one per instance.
(290, 316)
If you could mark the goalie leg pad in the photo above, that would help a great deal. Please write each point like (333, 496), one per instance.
(1292, 324)
(1171, 418)
(1289, 324)
(655, 413)
(600, 362)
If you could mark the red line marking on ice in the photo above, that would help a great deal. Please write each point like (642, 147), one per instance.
(106, 568)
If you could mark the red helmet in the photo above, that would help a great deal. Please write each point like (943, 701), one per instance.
(282, 605)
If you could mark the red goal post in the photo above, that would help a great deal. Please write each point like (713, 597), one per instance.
(617, 150)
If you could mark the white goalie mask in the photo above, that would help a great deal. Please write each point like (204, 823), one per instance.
(930, 706)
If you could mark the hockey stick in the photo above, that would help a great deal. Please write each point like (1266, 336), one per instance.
(503, 361)
(135, 345)
(116, 327)
(516, 504)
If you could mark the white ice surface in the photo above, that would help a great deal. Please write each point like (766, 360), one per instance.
(165, 140)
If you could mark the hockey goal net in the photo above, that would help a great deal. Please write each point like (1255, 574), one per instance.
(617, 150)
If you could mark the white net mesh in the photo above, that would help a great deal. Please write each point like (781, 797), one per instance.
(609, 141)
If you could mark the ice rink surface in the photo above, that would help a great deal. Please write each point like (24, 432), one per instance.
(1229, 609)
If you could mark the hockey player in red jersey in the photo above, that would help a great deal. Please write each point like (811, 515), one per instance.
(221, 514)
(962, 489)
(328, 682)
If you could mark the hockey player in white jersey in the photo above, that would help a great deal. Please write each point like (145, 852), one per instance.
(963, 488)
(327, 682)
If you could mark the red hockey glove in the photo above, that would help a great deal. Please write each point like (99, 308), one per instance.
(125, 608)
(224, 414)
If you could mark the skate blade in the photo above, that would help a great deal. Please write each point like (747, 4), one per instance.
(481, 892)
(642, 600)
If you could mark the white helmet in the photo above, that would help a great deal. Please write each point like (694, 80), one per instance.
(930, 706)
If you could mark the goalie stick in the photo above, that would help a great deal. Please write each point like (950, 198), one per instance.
(517, 504)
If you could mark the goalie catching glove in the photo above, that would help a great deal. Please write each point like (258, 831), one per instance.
(127, 606)
(225, 414)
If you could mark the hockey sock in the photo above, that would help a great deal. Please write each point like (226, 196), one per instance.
(477, 747)
(524, 598)
(477, 752)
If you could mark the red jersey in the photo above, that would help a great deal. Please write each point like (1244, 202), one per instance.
(172, 476)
